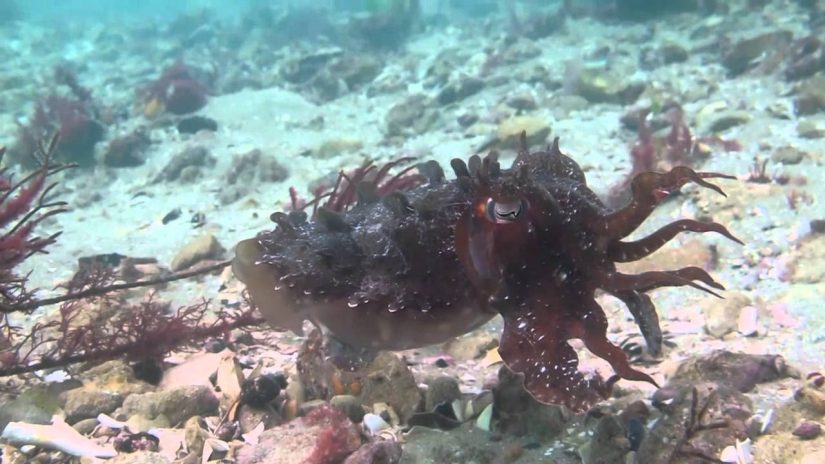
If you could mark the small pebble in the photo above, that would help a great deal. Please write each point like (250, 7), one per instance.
(748, 323)
(807, 430)
(375, 423)
(259, 391)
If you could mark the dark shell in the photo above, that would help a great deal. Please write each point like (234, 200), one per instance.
(412, 263)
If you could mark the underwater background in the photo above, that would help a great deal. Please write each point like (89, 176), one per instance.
(183, 126)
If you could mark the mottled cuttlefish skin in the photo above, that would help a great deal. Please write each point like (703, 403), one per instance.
(416, 259)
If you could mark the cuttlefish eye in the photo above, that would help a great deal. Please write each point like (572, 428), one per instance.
(503, 212)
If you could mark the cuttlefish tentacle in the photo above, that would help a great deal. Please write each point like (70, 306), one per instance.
(648, 189)
(622, 252)
(618, 282)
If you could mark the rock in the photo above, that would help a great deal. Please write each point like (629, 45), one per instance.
(36, 405)
(387, 379)
(139, 457)
(194, 435)
(327, 368)
(811, 399)
(349, 405)
(509, 131)
(524, 102)
(739, 371)
(788, 155)
(807, 430)
(199, 249)
(376, 452)
(301, 68)
(471, 346)
(744, 52)
(443, 389)
(413, 116)
(723, 404)
(748, 323)
(115, 377)
(722, 317)
(459, 89)
(308, 406)
(86, 403)
(127, 151)
(807, 261)
(141, 423)
(810, 96)
(195, 124)
(249, 169)
(724, 120)
(356, 70)
(521, 415)
(85, 426)
(178, 404)
(609, 443)
(323, 436)
(335, 147)
(673, 53)
(809, 129)
(249, 418)
(186, 166)
(597, 86)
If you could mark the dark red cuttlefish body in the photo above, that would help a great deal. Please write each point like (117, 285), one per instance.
(401, 262)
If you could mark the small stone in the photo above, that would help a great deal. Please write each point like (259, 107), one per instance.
(746, 51)
(350, 405)
(411, 117)
(788, 155)
(194, 435)
(522, 102)
(194, 124)
(810, 96)
(748, 324)
(127, 151)
(608, 444)
(249, 418)
(537, 128)
(324, 435)
(375, 423)
(598, 86)
(376, 452)
(261, 390)
(440, 390)
(388, 379)
(139, 457)
(673, 53)
(187, 165)
(739, 371)
(724, 120)
(178, 404)
(722, 318)
(459, 89)
(86, 403)
(335, 147)
(809, 129)
(85, 426)
(141, 423)
(471, 346)
(807, 430)
(199, 249)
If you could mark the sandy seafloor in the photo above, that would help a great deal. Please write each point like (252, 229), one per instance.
(780, 268)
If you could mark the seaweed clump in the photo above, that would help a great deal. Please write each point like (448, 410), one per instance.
(94, 320)
(72, 114)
